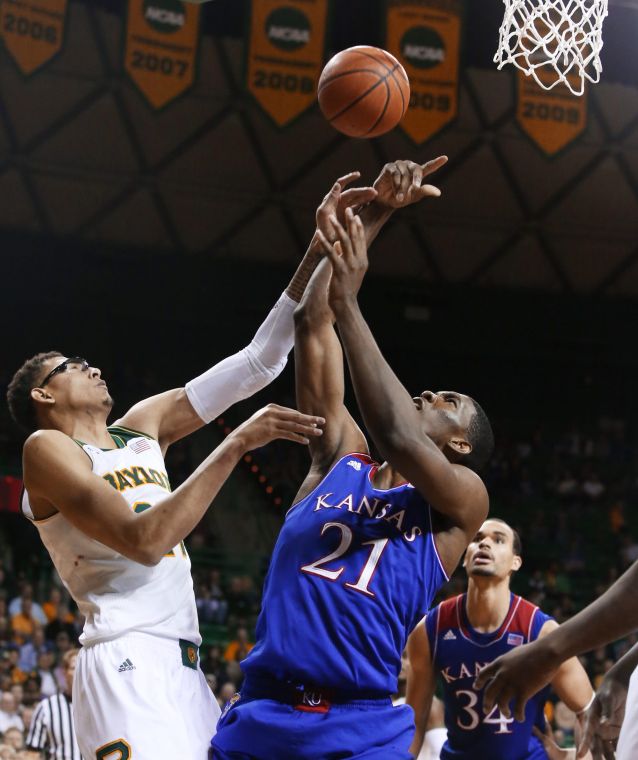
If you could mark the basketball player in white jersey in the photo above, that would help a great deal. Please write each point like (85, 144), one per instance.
(101, 499)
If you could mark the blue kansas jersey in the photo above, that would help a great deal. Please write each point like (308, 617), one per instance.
(458, 653)
(353, 571)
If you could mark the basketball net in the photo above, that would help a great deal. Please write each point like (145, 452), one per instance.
(554, 41)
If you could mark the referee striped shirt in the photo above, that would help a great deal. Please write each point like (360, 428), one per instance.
(52, 729)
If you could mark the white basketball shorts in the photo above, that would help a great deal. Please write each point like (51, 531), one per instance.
(142, 697)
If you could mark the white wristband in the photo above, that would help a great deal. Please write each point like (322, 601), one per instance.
(587, 706)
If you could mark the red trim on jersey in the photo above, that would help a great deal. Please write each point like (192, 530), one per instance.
(448, 614)
(522, 621)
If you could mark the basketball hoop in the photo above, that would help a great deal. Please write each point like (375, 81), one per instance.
(554, 41)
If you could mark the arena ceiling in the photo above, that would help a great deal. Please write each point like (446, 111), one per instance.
(83, 156)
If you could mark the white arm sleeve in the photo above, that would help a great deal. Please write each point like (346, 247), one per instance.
(239, 376)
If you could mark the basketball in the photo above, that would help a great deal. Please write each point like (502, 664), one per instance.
(363, 91)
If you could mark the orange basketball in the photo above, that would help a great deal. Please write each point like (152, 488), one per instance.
(363, 91)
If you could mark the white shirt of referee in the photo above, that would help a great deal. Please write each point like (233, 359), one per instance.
(51, 729)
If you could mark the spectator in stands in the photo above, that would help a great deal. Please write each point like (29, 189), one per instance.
(9, 717)
(23, 623)
(52, 729)
(31, 686)
(46, 661)
(14, 738)
(50, 607)
(27, 717)
(215, 664)
(225, 693)
(30, 651)
(63, 621)
(12, 654)
(239, 647)
(15, 606)
(219, 605)
(62, 646)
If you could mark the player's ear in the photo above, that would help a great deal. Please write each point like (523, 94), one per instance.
(517, 563)
(460, 446)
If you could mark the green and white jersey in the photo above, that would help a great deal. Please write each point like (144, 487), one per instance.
(115, 594)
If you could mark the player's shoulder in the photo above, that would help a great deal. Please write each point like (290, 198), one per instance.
(527, 617)
(43, 441)
(446, 614)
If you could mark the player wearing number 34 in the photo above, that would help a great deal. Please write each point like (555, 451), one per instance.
(466, 632)
(365, 546)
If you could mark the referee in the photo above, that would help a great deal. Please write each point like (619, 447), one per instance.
(51, 728)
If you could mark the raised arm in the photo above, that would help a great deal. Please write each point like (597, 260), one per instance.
(518, 675)
(421, 683)
(174, 414)
(390, 414)
(58, 478)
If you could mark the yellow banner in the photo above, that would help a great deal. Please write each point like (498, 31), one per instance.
(425, 35)
(551, 118)
(285, 57)
(162, 39)
(32, 31)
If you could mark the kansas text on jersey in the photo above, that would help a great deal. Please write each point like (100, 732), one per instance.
(354, 569)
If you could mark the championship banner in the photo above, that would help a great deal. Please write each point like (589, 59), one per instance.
(551, 118)
(425, 35)
(33, 31)
(285, 56)
(162, 40)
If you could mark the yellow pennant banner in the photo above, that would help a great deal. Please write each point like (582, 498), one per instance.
(33, 31)
(162, 39)
(425, 35)
(285, 56)
(551, 118)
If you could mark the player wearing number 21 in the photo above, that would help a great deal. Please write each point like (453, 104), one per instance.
(466, 632)
(362, 551)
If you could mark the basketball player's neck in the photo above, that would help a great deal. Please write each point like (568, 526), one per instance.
(488, 602)
(387, 477)
(87, 426)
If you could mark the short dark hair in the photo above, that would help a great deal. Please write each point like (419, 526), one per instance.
(517, 544)
(481, 437)
(22, 383)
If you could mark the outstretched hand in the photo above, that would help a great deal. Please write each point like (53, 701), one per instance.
(349, 258)
(337, 200)
(550, 745)
(274, 421)
(401, 182)
(516, 677)
(604, 718)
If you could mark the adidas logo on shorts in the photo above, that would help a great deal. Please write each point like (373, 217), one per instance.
(449, 636)
(354, 464)
(126, 665)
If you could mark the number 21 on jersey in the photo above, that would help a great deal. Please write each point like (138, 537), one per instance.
(365, 576)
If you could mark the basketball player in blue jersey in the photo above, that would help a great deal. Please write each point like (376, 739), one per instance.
(362, 551)
(466, 632)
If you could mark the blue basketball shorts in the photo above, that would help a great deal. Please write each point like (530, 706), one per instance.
(265, 729)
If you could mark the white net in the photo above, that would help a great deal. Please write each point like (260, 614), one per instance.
(554, 41)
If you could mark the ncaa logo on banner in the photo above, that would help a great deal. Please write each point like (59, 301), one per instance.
(288, 29)
(425, 36)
